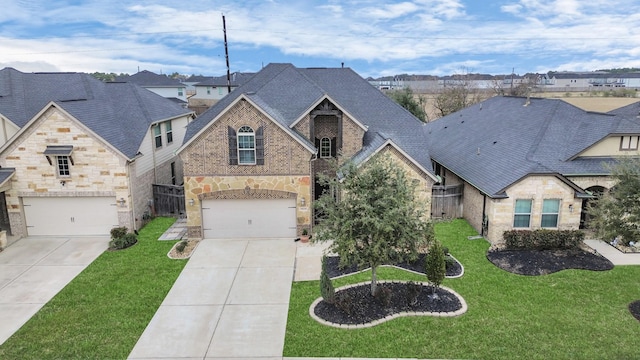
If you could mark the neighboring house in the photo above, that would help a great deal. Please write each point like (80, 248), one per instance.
(215, 88)
(159, 84)
(191, 81)
(252, 161)
(80, 155)
(529, 163)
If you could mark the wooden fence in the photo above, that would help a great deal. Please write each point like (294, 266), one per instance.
(446, 201)
(168, 200)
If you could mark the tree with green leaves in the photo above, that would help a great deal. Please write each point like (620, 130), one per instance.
(616, 213)
(376, 219)
(408, 100)
(435, 265)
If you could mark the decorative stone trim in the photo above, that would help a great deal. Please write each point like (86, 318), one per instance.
(462, 310)
(67, 194)
(247, 193)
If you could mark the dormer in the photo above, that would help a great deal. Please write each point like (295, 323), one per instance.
(614, 145)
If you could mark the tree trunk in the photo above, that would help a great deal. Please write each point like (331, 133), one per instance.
(374, 280)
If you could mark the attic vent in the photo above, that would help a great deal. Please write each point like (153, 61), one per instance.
(462, 122)
(495, 142)
(72, 100)
(250, 93)
(446, 127)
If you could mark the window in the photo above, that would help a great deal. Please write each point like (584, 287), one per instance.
(208, 90)
(550, 209)
(180, 92)
(173, 173)
(220, 90)
(157, 135)
(629, 142)
(246, 146)
(522, 214)
(63, 166)
(169, 131)
(325, 147)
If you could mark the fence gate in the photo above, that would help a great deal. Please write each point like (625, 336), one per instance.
(168, 200)
(446, 201)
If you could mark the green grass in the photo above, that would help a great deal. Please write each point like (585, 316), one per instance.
(104, 310)
(573, 314)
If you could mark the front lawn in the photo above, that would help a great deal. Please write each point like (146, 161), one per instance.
(104, 310)
(572, 314)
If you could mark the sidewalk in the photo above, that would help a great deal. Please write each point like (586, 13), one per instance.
(611, 253)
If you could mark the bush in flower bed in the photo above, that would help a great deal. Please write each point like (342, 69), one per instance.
(120, 239)
(542, 239)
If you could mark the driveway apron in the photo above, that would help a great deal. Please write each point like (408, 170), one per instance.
(230, 301)
(34, 269)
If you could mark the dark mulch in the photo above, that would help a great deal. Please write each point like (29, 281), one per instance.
(359, 307)
(333, 269)
(634, 309)
(542, 262)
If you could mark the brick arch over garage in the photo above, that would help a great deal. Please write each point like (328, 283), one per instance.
(247, 193)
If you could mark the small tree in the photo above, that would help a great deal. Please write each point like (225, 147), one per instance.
(378, 219)
(435, 266)
(408, 100)
(617, 212)
(326, 287)
(457, 94)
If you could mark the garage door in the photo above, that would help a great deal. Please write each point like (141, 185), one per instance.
(234, 219)
(70, 215)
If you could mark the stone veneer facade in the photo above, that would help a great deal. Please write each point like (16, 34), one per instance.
(97, 169)
(286, 171)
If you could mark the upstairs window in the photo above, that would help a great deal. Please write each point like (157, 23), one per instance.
(157, 135)
(169, 131)
(208, 90)
(522, 214)
(63, 166)
(180, 92)
(629, 142)
(325, 147)
(246, 146)
(550, 210)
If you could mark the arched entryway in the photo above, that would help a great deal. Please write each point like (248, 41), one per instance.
(596, 191)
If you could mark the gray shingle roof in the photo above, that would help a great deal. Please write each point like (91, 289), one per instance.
(237, 79)
(120, 113)
(147, 78)
(287, 93)
(499, 141)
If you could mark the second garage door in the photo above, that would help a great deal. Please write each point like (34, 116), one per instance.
(236, 219)
(70, 215)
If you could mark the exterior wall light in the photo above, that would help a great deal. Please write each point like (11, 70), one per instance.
(302, 201)
(122, 202)
(570, 208)
(191, 202)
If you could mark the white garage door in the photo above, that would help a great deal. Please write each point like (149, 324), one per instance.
(70, 215)
(234, 219)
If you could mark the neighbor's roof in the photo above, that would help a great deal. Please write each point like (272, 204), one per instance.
(237, 79)
(120, 113)
(287, 93)
(147, 78)
(497, 142)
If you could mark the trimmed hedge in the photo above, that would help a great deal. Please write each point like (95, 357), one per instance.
(542, 239)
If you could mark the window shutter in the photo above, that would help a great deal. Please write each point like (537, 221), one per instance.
(233, 146)
(260, 146)
(333, 147)
(317, 146)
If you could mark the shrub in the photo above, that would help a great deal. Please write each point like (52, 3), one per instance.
(326, 287)
(181, 245)
(344, 302)
(118, 232)
(445, 250)
(542, 239)
(435, 264)
(413, 290)
(123, 242)
(383, 295)
(449, 261)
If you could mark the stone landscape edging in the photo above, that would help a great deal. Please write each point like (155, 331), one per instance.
(462, 310)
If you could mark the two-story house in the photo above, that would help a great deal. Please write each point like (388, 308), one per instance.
(252, 161)
(159, 84)
(78, 156)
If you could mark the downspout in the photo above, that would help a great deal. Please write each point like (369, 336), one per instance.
(484, 215)
(132, 203)
(153, 152)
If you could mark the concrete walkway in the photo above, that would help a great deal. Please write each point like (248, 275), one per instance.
(34, 269)
(611, 253)
(230, 301)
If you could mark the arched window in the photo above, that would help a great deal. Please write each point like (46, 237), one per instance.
(325, 147)
(246, 146)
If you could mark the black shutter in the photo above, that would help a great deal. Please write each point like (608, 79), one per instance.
(333, 147)
(260, 146)
(233, 146)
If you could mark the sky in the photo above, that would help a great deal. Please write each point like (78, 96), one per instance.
(373, 37)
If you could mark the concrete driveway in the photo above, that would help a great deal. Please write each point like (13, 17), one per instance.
(34, 269)
(230, 301)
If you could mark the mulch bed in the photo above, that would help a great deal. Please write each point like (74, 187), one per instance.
(542, 262)
(359, 307)
(634, 309)
(333, 269)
